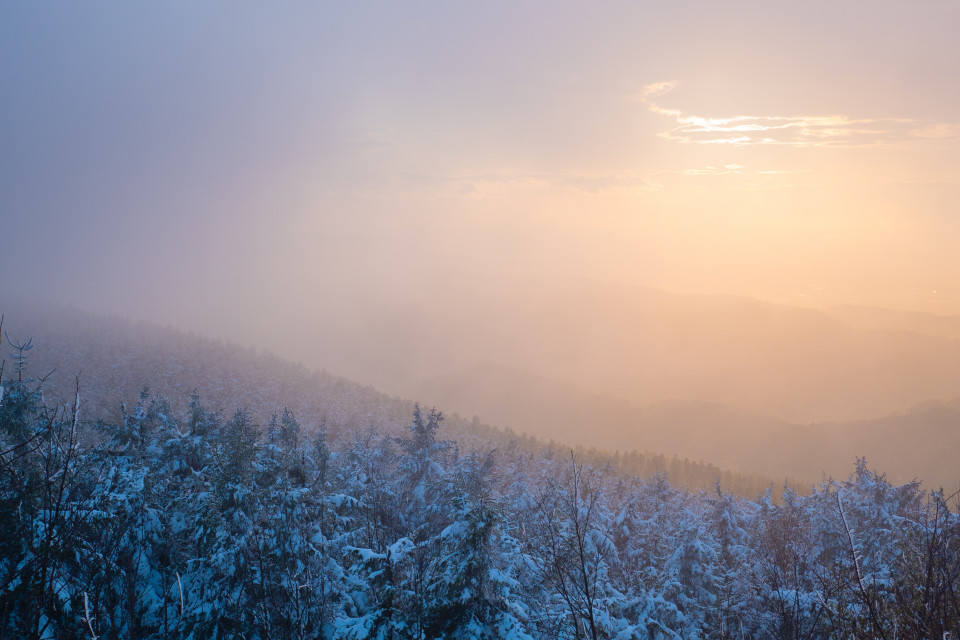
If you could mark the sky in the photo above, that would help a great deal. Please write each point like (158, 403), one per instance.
(197, 162)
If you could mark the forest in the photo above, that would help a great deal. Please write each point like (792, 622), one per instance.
(155, 522)
(480, 320)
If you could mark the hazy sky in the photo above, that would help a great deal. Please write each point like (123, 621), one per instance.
(216, 158)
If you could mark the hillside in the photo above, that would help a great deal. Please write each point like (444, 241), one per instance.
(213, 526)
(638, 344)
(944, 326)
(912, 444)
(117, 359)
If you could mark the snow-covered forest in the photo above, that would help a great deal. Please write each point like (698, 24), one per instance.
(200, 524)
(480, 320)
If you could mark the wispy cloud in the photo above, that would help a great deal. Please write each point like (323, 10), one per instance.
(509, 185)
(715, 171)
(737, 177)
(796, 131)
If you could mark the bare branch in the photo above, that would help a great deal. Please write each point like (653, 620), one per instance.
(871, 605)
(86, 611)
(180, 588)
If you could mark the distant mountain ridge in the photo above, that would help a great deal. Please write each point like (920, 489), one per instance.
(943, 326)
(918, 443)
(117, 359)
(750, 386)
(642, 345)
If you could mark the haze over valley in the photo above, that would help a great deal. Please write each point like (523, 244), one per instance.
(760, 387)
(754, 387)
(524, 320)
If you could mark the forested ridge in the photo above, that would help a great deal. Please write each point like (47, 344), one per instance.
(210, 526)
(172, 518)
(119, 358)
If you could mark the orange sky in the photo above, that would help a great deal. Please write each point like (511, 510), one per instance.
(804, 154)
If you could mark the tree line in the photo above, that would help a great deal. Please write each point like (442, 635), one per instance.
(203, 525)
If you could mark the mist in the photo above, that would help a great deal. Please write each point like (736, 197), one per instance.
(488, 209)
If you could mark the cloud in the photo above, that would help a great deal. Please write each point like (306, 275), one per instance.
(739, 177)
(795, 131)
(715, 171)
